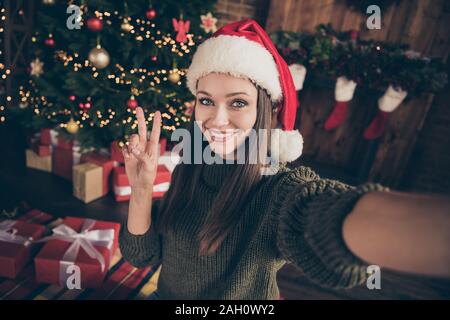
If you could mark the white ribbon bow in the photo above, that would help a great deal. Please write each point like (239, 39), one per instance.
(9, 234)
(84, 239)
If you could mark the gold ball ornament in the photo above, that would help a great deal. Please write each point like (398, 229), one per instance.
(174, 77)
(126, 26)
(72, 126)
(99, 57)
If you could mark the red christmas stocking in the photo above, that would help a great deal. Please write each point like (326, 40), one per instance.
(376, 127)
(338, 116)
(343, 93)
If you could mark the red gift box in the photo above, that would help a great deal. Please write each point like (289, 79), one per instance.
(42, 150)
(65, 155)
(122, 189)
(116, 152)
(53, 260)
(121, 186)
(65, 143)
(15, 252)
(46, 136)
(162, 182)
(162, 145)
(102, 161)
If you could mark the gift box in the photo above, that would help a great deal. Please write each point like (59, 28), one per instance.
(42, 150)
(104, 162)
(65, 155)
(170, 159)
(162, 145)
(162, 182)
(34, 161)
(122, 189)
(116, 152)
(46, 136)
(16, 249)
(121, 186)
(87, 182)
(88, 244)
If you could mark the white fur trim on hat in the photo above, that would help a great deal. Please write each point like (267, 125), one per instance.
(238, 57)
(286, 146)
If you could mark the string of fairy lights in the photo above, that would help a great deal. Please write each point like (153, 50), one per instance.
(121, 79)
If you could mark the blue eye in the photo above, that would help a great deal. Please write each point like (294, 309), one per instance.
(205, 101)
(239, 103)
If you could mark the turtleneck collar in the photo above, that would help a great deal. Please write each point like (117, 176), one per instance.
(214, 175)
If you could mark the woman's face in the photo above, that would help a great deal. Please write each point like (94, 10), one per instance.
(225, 111)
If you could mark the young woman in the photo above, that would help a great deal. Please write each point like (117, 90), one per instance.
(222, 231)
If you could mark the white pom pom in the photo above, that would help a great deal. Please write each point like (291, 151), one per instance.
(286, 146)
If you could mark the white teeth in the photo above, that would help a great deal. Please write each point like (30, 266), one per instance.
(218, 135)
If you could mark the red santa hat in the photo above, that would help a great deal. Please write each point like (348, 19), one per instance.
(243, 49)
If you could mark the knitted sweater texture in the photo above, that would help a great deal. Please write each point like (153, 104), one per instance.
(292, 216)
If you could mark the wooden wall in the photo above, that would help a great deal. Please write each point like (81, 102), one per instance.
(424, 25)
(235, 10)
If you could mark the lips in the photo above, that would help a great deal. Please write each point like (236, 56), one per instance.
(221, 136)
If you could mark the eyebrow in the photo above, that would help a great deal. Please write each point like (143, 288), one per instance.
(228, 95)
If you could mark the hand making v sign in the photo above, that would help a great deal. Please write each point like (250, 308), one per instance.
(141, 155)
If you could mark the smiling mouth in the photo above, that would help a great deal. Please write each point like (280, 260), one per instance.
(219, 136)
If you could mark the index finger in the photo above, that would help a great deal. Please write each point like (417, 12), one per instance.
(142, 127)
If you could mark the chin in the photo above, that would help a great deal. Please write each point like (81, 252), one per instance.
(222, 150)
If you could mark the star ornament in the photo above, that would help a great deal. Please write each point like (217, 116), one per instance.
(37, 67)
(208, 23)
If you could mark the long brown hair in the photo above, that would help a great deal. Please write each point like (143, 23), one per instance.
(224, 213)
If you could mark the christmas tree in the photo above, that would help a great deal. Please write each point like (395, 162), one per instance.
(95, 61)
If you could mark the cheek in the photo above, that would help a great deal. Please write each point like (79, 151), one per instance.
(246, 119)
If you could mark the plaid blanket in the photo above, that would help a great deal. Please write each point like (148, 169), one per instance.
(123, 281)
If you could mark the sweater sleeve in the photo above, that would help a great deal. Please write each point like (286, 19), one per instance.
(142, 250)
(311, 212)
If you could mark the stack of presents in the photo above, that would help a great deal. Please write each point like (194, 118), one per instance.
(93, 174)
(52, 251)
(57, 251)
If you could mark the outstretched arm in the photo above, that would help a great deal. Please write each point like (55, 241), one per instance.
(402, 231)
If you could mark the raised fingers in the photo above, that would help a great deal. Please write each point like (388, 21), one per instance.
(142, 127)
(126, 154)
(134, 142)
(152, 146)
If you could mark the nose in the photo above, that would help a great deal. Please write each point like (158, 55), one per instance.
(219, 117)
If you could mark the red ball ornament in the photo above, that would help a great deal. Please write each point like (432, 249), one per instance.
(150, 14)
(87, 105)
(49, 42)
(154, 58)
(81, 105)
(72, 98)
(94, 24)
(132, 103)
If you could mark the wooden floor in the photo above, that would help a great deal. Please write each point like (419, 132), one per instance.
(54, 195)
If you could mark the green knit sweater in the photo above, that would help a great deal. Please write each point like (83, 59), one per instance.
(294, 216)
